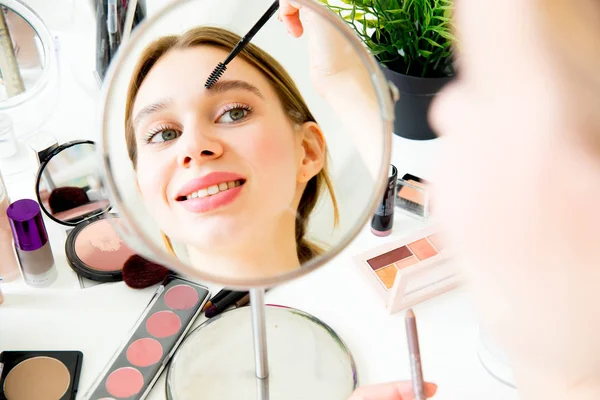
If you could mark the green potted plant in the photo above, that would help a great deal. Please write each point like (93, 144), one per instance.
(413, 41)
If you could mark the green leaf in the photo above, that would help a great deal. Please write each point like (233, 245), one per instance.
(433, 43)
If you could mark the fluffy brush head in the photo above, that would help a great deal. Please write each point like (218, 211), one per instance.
(215, 75)
(67, 197)
(139, 273)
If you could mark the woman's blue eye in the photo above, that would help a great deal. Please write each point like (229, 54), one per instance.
(164, 135)
(233, 115)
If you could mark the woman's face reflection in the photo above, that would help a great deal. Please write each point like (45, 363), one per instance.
(220, 169)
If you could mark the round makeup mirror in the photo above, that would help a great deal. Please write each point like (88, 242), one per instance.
(257, 179)
(28, 67)
(68, 186)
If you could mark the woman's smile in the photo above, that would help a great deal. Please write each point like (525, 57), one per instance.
(210, 192)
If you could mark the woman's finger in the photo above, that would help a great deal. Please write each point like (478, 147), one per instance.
(289, 14)
(391, 391)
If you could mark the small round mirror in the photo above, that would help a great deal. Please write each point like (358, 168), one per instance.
(68, 187)
(28, 67)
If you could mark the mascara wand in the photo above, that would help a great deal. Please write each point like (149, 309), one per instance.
(221, 67)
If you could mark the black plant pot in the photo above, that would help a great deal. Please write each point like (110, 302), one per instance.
(411, 110)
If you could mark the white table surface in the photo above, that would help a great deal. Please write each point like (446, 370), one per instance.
(97, 320)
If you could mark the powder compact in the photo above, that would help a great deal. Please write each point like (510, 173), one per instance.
(70, 192)
(156, 335)
(410, 270)
(39, 375)
(412, 196)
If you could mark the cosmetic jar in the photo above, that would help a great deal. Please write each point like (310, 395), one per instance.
(31, 243)
(9, 269)
(8, 141)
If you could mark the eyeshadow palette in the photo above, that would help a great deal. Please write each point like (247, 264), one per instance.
(407, 271)
(412, 196)
(39, 375)
(156, 335)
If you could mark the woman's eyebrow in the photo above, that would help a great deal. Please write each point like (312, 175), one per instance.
(152, 108)
(227, 85)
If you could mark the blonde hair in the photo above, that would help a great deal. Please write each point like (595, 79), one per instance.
(289, 95)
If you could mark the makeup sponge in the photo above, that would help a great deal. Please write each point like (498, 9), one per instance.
(139, 273)
(66, 198)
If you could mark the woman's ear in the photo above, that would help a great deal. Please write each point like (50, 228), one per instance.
(312, 151)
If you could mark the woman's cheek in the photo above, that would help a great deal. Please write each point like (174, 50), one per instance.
(152, 184)
(271, 155)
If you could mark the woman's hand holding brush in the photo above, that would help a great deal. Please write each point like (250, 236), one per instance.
(340, 77)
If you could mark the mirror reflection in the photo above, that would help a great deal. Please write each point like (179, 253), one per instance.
(259, 175)
(68, 187)
(22, 55)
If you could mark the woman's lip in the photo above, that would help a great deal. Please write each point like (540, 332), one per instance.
(214, 178)
(210, 203)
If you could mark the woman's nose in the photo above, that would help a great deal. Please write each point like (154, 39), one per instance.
(199, 148)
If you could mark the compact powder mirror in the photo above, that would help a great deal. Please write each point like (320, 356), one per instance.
(39, 375)
(71, 193)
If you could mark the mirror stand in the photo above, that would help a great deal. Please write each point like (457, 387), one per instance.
(259, 329)
(262, 352)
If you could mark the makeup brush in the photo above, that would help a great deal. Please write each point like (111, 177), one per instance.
(139, 273)
(221, 67)
(11, 74)
(67, 197)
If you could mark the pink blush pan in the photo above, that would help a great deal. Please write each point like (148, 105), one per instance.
(95, 251)
(99, 247)
(144, 352)
(181, 297)
(125, 382)
(163, 324)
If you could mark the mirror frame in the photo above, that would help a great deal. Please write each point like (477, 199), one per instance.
(383, 91)
(48, 62)
(38, 179)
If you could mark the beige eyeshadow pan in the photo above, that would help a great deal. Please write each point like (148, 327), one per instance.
(436, 240)
(37, 378)
(412, 194)
(423, 249)
(407, 262)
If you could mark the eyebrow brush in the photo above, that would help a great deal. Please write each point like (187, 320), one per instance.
(221, 67)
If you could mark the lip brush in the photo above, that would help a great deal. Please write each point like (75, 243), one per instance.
(221, 67)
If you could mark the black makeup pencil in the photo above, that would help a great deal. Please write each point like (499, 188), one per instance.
(221, 67)
(230, 300)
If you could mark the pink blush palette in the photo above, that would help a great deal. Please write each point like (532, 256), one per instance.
(410, 270)
(137, 365)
